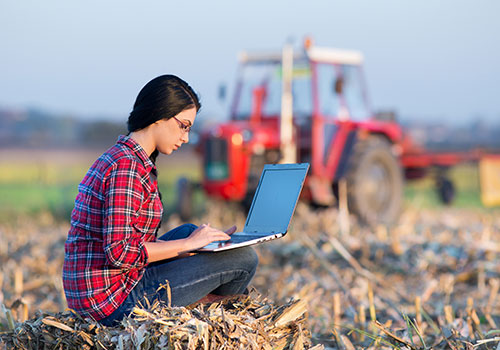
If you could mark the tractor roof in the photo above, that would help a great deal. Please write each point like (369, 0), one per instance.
(318, 54)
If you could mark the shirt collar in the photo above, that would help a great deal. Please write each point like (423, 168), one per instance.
(138, 150)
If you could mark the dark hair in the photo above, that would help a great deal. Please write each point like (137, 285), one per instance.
(162, 98)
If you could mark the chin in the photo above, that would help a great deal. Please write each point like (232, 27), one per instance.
(166, 152)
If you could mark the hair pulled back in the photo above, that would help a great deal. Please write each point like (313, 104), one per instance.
(162, 98)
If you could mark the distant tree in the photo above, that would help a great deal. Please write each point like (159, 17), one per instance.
(100, 133)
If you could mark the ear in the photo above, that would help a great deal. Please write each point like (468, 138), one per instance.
(158, 122)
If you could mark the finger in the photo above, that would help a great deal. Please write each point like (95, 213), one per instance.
(221, 236)
(231, 230)
(199, 228)
(203, 227)
(213, 234)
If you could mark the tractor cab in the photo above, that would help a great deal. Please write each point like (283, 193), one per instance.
(327, 82)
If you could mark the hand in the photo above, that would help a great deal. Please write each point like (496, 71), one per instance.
(231, 230)
(205, 234)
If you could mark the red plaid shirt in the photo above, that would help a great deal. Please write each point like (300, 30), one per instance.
(117, 209)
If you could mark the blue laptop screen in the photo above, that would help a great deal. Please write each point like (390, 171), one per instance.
(275, 199)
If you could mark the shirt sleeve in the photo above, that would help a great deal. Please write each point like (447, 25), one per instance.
(124, 195)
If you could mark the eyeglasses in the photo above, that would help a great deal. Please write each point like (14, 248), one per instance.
(184, 127)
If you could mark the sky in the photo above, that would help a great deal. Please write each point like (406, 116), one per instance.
(428, 59)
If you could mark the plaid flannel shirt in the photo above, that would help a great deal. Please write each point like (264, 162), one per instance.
(117, 209)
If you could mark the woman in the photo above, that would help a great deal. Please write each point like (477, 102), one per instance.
(112, 256)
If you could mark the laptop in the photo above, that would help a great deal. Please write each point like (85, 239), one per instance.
(272, 207)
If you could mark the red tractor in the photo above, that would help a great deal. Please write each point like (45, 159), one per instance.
(308, 106)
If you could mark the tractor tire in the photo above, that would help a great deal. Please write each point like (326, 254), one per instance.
(445, 189)
(374, 182)
(184, 206)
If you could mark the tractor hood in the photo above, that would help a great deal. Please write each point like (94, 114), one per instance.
(227, 150)
(249, 135)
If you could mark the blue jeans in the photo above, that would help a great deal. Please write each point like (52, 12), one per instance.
(190, 278)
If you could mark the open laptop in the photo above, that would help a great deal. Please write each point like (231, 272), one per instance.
(272, 207)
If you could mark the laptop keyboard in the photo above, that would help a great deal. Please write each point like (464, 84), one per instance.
(241, 238)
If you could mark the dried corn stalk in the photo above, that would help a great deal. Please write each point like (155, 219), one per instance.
(249, 321)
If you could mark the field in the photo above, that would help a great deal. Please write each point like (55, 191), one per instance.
(429, 281)
(33, 182)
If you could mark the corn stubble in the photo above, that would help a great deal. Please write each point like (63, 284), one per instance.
(242, 322)
(429, 282)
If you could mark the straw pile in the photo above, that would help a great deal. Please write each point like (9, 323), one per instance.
(431, 281)
(244, 322)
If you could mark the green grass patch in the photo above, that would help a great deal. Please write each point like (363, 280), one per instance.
(17, 199)
(465, 177)
(33, 187)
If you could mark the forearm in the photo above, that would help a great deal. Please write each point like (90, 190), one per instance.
(161, 250)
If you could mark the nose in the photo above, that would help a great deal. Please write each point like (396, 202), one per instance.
(185, 137)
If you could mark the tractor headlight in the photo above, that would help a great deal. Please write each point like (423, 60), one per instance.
(241, 137)
(237, 139)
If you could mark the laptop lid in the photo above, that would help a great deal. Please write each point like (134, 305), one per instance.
(275, 198)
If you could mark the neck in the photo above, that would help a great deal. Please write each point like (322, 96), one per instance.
(143, 139)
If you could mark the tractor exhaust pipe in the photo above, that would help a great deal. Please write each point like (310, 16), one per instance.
(288, 147)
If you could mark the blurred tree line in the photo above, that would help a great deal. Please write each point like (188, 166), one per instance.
(37, 129)
(441, 137)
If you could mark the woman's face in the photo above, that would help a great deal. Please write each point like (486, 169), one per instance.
(171, 133)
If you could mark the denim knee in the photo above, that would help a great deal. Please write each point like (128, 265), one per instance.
(248, 259)
(182, 231)
(187, 228)
(189, 225)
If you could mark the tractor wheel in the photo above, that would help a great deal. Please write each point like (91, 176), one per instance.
(445, 189)
(184, 205)
(374, 182)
